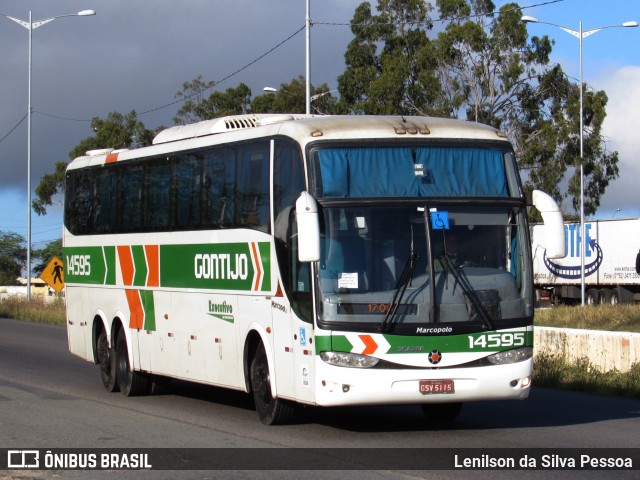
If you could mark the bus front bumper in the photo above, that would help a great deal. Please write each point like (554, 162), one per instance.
(354, 386)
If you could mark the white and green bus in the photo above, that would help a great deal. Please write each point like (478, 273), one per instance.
(307, 260)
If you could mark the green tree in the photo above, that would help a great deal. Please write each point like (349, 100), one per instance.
(13, 257)
(45, 254)
(549, 146)
(494, 74)
(197, 106)
(391, 62)
(482, 66)
(115, 131)
(291, 98)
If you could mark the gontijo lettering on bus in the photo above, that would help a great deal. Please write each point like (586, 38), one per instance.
(223, 266)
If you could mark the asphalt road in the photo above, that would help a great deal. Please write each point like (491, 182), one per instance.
(50, 399)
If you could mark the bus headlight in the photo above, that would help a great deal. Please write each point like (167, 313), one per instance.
(351, 360)
(511, 356)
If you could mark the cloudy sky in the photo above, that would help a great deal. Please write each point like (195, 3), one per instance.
(135, 54)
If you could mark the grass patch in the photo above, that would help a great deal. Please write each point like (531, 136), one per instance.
(550, 371)
(612, 318)
(38, 310)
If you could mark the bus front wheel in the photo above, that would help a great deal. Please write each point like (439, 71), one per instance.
(131, 383)
(107, 362)
(271, 411)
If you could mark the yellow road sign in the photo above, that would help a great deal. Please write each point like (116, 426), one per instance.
(53, 274)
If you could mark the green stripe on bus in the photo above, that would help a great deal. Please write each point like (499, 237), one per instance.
(86, 265)
(340, 343)
(323, 344)
(110, 260)
(264, 248)
(140, 264)
(404, 344)
(146, 296)
(220, 266)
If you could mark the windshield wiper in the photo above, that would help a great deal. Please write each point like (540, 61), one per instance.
(401, 287)
(450, 266)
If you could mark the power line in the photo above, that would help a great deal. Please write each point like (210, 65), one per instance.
(151, 110)
(16, 126)
(57, 117)
(215, 83)
(228, 76)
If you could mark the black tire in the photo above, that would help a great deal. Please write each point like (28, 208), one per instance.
(441, 412)
(614, 297)
(591, 297)
(131, 383)
(271, 411)
(107, 362)
(604, 296)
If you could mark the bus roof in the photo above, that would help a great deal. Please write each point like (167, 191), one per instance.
(304, 128)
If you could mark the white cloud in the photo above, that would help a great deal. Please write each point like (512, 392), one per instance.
(621, 129)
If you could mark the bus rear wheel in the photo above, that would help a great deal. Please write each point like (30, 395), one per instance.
(271, 411)
(131, 383)
(442, 412)
(107, 362)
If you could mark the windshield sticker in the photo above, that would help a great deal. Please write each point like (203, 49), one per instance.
(440, 220)
(348, 280)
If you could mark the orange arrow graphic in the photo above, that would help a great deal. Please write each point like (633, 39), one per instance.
(369, 343)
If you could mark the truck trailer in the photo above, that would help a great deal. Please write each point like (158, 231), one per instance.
(611, 264)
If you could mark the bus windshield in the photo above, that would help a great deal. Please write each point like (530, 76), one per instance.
(450, 264)
(453, 251)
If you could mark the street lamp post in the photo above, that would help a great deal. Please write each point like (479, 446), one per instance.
(308, 59)
(30, 26)
(580, 34)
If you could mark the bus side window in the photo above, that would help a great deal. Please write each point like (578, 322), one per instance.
(253, 186)
(80, 202)
(106, 220)
(157, 185)
(186, 192)
(218, 188)
(130, 185)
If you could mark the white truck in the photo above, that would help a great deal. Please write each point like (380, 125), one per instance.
(611, 263)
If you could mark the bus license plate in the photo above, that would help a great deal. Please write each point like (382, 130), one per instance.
(428, 387)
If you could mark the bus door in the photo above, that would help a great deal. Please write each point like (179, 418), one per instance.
(293, 351)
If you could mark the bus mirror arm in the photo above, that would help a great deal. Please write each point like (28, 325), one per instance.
(308, 228)
(553, 223)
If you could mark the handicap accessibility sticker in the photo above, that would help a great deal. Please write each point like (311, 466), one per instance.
(440, 220)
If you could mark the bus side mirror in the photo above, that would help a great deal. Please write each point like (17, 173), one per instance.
(553, 224)
(308, 228)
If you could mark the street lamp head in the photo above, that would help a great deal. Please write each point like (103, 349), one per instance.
(630, 24)
(86, 13)
(529, 19)
(269, 90)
